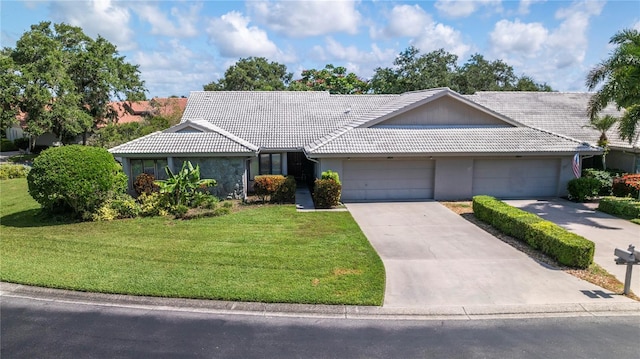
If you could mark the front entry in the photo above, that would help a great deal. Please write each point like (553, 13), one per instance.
(299, 166)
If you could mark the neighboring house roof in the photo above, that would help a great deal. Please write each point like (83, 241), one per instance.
(137, 111)
(325, 124)
(558, 112)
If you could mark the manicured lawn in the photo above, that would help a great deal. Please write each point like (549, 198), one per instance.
(261, 253)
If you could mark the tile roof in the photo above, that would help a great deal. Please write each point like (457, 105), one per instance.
(558, 112)
(448, 141)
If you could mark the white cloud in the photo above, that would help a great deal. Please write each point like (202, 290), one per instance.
(234, 38)
(307, 18)
(161, 24)
(636, 25)
(517, 37)
(98, 17)
(440, 36)
(523, 9)
(464, 8)
(404, 20)
(358, 61)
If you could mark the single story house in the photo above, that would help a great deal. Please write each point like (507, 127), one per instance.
(432, 144)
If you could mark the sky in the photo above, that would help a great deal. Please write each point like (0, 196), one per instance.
(182, 45)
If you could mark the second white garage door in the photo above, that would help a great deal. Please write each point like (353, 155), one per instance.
(387, 179)
(517, 178)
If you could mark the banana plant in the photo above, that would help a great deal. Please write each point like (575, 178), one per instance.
(182, 185)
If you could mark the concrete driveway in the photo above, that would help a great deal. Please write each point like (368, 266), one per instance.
(606, 231)
(434, 257)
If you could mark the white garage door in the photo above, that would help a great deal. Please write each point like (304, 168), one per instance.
(390, 179)
(517, 178)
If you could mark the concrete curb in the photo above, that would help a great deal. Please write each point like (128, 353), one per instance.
(10, 290)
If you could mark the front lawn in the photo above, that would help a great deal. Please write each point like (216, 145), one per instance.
(261, 253)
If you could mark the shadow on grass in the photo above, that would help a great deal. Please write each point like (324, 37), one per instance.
(34, 218)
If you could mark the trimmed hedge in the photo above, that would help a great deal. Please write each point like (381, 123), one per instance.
(582, 188)
(7, 145)
(623, 207)
(275, 187)
(567, 248)
(326, 193)
(8, 171)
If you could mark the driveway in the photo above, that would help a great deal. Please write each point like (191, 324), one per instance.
(434, 257)
(606, 231)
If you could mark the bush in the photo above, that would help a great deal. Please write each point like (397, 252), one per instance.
(329, 174)
(622, 207)
(286, 191)
(13, 171)
(627, 186)
(604, 177)
(276, 188)
(582, 188)
(145, 183)
(567, 248)
(179, 210)
(123, 206)
(154, 204)
(204, 200)
(6, 145)
(76, 179)
(22, 143)
(326, 193)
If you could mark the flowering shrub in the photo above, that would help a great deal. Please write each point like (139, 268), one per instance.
(627, 186)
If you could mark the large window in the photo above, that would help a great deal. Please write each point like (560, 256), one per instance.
(270, 164)
(153, 167)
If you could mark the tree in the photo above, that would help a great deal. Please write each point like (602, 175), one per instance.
(75, 179)
(336, 80)
(9, 90)
(412, 72)
(603, 124)
(620, 79)
(66, 79)
(253, 74)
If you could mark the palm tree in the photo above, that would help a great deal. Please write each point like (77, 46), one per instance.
(620, 75)
(603, 124)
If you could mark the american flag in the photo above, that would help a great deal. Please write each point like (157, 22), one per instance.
(576, 165)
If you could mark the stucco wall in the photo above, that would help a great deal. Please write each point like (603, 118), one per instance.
(229, 172)
(622, 161)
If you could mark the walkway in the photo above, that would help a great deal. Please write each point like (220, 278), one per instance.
(606, 231)
(434, 257)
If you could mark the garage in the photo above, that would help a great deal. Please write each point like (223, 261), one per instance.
(516, 178)
(387, 179)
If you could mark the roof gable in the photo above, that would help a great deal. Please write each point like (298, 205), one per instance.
(439, 108)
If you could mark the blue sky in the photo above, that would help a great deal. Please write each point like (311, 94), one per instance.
(182, 45)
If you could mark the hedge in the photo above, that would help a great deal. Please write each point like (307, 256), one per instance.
(275, 187)
(623, 207)
(567, 248)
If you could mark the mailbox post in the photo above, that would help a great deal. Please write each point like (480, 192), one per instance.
(629, 257)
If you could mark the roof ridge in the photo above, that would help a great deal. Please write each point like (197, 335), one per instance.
(204, 123)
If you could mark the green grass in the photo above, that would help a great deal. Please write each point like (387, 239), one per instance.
(261, 253)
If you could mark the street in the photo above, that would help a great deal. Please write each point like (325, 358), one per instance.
(57, 329)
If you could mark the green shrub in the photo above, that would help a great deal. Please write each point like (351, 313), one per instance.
(204, 200)
(7, 145)
(622, 207)
(13, 171)
(75, 179)
(22, 143)
(604, 177)
(582, 188)
(329, 174)
(286, 191)
(154, 204)
(179, 210)
(567, 248)
(326, 193)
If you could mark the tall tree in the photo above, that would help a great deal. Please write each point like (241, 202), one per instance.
(412, 71)
(620, 79)
(252, 74)
(336, 80)
(9, 90)
(67, 79)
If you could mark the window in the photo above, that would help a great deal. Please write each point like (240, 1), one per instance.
(270, 164)
(153, 167)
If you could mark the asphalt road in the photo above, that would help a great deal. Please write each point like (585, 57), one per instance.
(53, 329)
